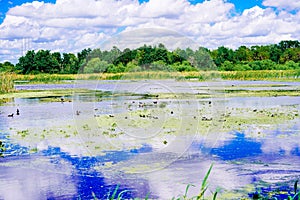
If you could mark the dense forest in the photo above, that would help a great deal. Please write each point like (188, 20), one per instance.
(281, 56)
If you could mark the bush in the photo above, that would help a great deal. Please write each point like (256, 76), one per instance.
(292, 65)
(95, 65)
(132, 67)
(185, 66)
(227, 66)
(115, 69)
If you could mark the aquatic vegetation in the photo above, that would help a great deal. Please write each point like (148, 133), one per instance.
(52, 95)
(23, 133)
(155, 122)
(290, 194)
(2, 148)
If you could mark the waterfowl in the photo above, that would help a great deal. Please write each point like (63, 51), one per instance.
(11, 115)
(206, 119)
(18, 112)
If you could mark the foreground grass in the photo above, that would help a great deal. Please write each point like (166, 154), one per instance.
(204, 186)
(289, 75)
(274, 195)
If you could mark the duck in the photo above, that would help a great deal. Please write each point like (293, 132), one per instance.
(11, 115)
(18, 112)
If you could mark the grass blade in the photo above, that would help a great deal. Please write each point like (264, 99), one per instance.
(114, 193)
(121, 194)
(187, 190)
(204, 183)
(94, 196)
(215, 195)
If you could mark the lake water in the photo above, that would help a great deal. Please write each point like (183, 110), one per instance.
(149, 138)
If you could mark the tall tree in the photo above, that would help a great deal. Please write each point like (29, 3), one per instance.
(26, 63)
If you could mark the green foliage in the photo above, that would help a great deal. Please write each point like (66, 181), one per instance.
(95, 65)
(204, 185)
(281, 56)
(7, 67)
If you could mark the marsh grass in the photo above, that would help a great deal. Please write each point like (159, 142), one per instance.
(7, 82)
(44, 78)
(194, 75)
(261, 75)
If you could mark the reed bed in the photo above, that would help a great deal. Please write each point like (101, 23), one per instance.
(7, 82)
(291, 75)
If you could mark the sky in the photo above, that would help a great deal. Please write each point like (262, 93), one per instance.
(72, 25)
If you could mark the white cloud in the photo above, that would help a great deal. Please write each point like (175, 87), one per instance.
(283, 4)
(71, 25)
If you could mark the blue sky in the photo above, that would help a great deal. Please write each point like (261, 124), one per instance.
(72, 25)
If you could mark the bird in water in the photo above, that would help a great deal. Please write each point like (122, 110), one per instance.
(11, 115)
(18, 111)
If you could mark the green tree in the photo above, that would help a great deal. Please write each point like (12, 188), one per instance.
(44, 61)
(69, 64)
(95, 65)
(57, 62)
(290, 54)
(7, 67)
(221, 55)
(243, 53)
(26, 63)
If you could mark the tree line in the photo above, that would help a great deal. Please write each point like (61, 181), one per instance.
(282, 56)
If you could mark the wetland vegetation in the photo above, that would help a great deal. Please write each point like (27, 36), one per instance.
(148, 122)
(139, 127)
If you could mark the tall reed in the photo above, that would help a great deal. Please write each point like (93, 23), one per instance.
(7, 82)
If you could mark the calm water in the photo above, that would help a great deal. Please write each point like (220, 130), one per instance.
(261, 156)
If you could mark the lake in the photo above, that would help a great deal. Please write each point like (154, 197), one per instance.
(150, 138)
